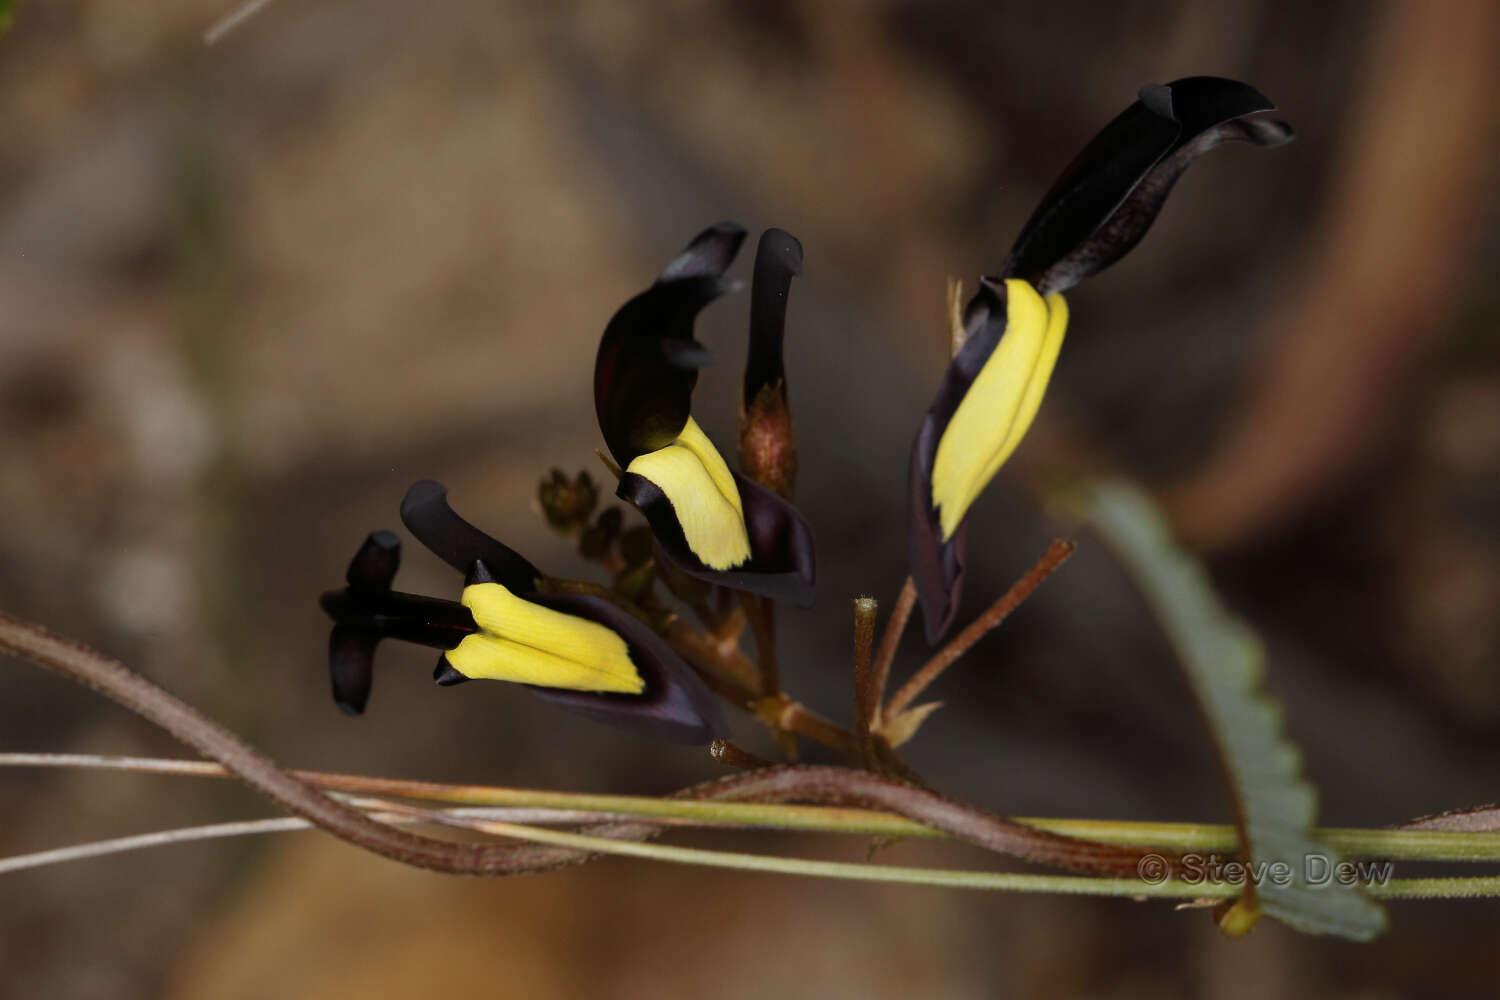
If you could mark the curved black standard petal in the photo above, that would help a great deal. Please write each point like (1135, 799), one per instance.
(781, 565)
(368, 611)
(937, 567)
(648, 360)
(676, 707)
(426, 514)
(778, 258)
(1110, 194)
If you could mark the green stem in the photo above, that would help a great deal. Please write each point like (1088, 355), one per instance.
(1394, 844)
(118, 682)
(1416, 888)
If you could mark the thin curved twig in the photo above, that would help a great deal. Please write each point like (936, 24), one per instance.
(118, 682)
(866, 707)
(1057, 553)
(819, 784)
(890, 640)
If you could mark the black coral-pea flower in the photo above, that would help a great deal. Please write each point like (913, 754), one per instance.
(577, 650)
(714, 523)
(1096, 212)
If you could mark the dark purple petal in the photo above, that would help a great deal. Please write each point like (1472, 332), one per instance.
(676, 706)
(444, 674)
(648, 360)
(426, 514)
(778, 258)
(937, 567)
(781, 564)
(374, 565)
(1110, 194)
(708, 255)
(351, 666)
(426, 621)
(368, 611)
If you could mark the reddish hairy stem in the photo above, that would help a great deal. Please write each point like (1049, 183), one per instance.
(895, 627)
(741, 681)
(831, 785)
(118, 682)
(1057, 553)
(843, 786)
(866, 701)
(761, 613)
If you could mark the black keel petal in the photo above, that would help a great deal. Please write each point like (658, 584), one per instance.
(445, 674)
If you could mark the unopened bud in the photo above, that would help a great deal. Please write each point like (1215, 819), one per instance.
(596, 540)
(768, 443)
(566, 503)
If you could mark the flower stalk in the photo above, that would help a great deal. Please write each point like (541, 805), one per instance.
(1057, 553)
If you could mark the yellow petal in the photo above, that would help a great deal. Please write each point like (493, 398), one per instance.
(698, 485)
(1000, 405)
(529, 644)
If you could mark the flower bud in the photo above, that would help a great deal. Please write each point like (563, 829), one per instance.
(768, 443)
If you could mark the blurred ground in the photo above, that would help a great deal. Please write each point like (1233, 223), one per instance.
(254, 290)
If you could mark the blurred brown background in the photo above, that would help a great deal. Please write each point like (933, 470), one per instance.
(251, 291)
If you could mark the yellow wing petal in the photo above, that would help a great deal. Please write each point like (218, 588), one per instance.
(527, 643)
(703, 495)
(1000, 405)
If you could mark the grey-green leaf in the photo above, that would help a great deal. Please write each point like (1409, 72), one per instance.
(1224, 663)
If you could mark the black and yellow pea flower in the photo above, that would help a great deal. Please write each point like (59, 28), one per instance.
(577, 650)
(712, 522)
(1013, 327)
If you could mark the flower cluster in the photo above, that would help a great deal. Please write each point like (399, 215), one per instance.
(737, 530)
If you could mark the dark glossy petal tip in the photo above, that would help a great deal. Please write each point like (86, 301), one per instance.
(708, 255)
(937, 567)
(479, 572)
(427, 515)
(374, 565)
(1107, 198)
(778, 258)
(445, 674)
